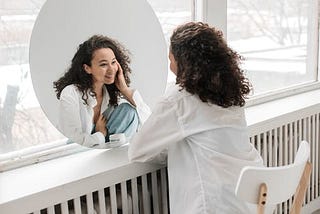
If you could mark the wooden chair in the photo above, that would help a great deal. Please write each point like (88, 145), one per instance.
(268, 186)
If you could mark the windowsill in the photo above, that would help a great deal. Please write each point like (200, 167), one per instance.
(54, 174)
(35, 178)
(18, 183)
(267, 111)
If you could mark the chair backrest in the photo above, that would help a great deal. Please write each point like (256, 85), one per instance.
(281, 182)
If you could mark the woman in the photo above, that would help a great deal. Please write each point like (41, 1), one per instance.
(199, 126)
(94, 94)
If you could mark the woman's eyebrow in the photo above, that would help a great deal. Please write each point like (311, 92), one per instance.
(104, 60)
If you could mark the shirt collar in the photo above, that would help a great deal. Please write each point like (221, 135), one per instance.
(92, 101)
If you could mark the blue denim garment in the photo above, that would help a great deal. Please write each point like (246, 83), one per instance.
(121, 119)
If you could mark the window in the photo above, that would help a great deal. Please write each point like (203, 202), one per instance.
(24, 128)
(22, 122)
(277, 40)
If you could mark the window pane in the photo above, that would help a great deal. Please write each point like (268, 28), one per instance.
(272, 36)
(22, 122)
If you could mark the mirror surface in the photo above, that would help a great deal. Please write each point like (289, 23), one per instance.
(62, 25)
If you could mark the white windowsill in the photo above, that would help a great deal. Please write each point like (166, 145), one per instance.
(28, 180)
(18, 183)
(51, 176)
(275, 108)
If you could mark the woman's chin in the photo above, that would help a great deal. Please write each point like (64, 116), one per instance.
(108, 82)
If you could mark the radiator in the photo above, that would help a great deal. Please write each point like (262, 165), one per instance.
(140, 195)
(277, 140)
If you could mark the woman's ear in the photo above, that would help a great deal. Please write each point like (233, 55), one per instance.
(87, 68)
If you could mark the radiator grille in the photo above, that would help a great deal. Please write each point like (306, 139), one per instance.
(140, 195)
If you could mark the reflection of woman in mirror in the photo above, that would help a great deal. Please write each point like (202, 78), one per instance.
(94, 94)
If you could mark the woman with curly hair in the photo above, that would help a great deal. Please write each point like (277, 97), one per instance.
(204, 138)
(94, 94)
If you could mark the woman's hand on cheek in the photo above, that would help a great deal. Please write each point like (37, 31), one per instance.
(120, 80)
(122, 85)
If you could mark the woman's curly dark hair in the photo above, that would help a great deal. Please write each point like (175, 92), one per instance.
(206, 66)
(78, 76)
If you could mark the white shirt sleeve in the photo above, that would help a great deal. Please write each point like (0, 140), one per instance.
(160, 130)
(142, 108)
(70, 122)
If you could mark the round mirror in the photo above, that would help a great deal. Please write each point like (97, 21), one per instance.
(62, 25)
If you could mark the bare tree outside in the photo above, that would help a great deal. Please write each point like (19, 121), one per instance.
(22, 122)
(272, 37)
(284, 22)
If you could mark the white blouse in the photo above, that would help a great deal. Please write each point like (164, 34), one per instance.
(205, 146)
(76, 118)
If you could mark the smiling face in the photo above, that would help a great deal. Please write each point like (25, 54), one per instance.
(103, 66)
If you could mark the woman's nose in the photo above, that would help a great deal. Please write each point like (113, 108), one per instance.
(111, 69)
